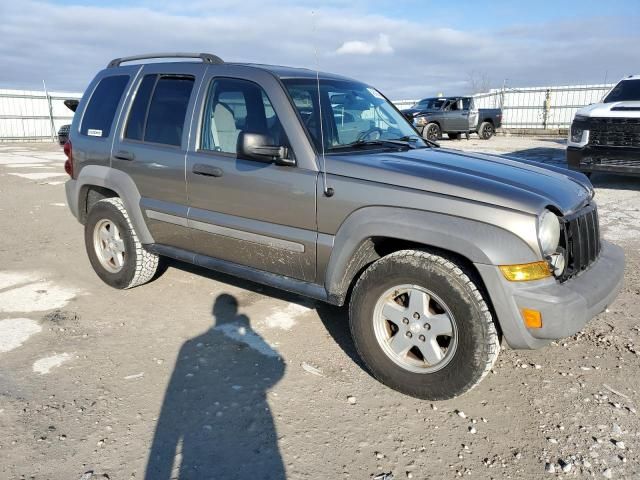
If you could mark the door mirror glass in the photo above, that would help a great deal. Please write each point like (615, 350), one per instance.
(257, 146)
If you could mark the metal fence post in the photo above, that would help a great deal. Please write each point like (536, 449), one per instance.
(547, 108)
(50, 107)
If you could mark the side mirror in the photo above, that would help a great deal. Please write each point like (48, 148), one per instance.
(459, 105)
(257, 146)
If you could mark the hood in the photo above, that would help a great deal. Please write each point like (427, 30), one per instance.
(514, 184)
(611, 110)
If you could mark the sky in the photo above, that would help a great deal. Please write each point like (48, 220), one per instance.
(407, 49)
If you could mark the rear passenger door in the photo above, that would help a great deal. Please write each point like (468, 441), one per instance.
(152, 145)
(245, 211)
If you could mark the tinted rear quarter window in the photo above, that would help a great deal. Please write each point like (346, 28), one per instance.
(98, 116)
(167, 111)
(138, 114)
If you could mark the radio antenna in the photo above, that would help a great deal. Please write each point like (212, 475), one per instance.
(328, 191)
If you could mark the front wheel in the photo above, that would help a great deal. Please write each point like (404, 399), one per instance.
(421, 325)
(431, 132)
(114, 250)
(486, 130)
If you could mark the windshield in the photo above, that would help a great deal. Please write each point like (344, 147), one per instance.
(431, 104)
(627, 90)
(353, 115)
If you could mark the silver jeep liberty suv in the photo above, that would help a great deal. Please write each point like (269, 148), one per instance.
(317, 184)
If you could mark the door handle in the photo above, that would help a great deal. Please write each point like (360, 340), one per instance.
(122, 155)
(207, 170)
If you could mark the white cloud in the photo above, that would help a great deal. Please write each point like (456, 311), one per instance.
(357, 47)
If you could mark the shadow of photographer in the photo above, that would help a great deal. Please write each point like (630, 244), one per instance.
(215, 422)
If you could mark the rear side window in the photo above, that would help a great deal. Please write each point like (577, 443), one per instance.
(138, 115)
(168, 109)
(98, 116)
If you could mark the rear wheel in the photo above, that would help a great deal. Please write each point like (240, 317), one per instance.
(486, 130)
(432, 132)
(114, 250)
(422, 326)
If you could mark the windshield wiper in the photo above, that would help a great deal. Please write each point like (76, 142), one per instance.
(378, 142)
(408, 138)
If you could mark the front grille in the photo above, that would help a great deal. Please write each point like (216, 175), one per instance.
(619, 162)
(614, 132)
(580, 237)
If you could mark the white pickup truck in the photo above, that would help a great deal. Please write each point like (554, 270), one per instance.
(605, 137)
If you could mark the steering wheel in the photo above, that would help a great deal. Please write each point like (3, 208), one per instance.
(374, 133)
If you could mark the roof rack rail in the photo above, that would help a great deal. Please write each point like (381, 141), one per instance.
(205, 57)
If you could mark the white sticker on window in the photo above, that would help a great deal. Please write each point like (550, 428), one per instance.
(375, 93)
(94, 133)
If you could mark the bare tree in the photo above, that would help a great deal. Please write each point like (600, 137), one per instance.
(479, 82)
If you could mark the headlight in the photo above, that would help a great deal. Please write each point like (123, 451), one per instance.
(576, 133)
(578, 128)
(548, 232)
(420, 121)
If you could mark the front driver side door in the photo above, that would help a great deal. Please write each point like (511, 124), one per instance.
(245, 211)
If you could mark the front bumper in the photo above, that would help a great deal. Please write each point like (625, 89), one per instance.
(622, 160)
(566, 307)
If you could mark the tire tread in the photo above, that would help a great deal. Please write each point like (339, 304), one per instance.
(146, 262)
(492, 338)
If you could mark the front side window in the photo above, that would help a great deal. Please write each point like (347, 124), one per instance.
(98, 116)
(353, 114)
(235, 106)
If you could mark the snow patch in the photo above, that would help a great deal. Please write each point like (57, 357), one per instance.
(15, 331)
(35, 297)
(11, 279)
(26, 165)
(38, 176)
(44, 365)
(285, 318)
(248, 337)
(14, 159)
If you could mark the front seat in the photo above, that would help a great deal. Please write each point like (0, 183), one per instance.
(223, 129)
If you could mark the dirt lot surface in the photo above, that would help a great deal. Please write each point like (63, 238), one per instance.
(199, 375)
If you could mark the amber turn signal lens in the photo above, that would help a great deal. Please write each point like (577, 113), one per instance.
(532, 318)
(526, 271)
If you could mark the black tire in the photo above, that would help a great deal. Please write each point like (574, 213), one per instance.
(432, 132)
(478, 343)
(453, 136)
(486, 130)
(139, 266)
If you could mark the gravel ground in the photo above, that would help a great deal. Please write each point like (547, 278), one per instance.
(237, 380)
